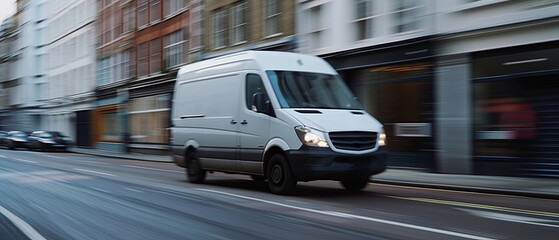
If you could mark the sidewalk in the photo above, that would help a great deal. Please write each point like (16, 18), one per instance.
(517, 186)
(130, 156)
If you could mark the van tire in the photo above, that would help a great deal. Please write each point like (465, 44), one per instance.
(194, 170)
(280, 178)
(355, 184)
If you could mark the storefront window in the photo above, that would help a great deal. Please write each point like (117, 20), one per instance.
(515, 113)
(149, 119)
(401, 97)
(111, 126)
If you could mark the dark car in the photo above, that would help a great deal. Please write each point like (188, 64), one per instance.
(16, 139)
(48, 140)
(3, 135)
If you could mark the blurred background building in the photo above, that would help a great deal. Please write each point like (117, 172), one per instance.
(21, 84)
(462, 86)
(67, 38)
(8, 39)
(232, 26)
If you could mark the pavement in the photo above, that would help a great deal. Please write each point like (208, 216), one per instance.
(517, 186)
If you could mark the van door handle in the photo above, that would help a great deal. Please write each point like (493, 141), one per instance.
(233, 122)
(244, 122)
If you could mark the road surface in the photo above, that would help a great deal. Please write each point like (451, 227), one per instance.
(54, 195)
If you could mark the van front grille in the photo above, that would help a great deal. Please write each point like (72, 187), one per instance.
(354, 141)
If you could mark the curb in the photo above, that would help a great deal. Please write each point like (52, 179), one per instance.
(123, 156)
(511, 192)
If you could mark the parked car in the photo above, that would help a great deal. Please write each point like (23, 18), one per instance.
(16, 139)
(48, 140)
(3, 135)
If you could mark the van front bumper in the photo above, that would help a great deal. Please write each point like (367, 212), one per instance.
(309, 163)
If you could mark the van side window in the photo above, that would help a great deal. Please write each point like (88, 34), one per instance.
(254, 85)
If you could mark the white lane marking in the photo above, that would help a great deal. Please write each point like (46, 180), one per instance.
(34, 173)
(134, 190)
(511, 218)
(54, 157)
(23, 160)
(100, 190)
(27, 229)
(45, 154)
(2, 156)
(155, 169)
(353, 216)
(95, 172)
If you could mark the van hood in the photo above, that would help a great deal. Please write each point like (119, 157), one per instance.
(336, 120)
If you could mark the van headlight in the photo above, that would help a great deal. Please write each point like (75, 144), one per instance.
(311, 137)
(382, 139)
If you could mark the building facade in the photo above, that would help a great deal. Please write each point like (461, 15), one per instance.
(8, 39)
(167, 37)
(67, 66)
(497, 61)
(384, 50)
(232, 26)
(116, 28)
(142, 45)
(23, 84)
(462, 86)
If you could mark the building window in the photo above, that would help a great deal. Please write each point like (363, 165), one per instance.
(110, 122)
(364, 19)
(405, 15)
(104, 72)
(174, 47)
(114, 68)
(155, 56)
(173, 6)
(316, 28)
(129, 20)
(117, 25)
(272, 17)
(154, 10)
(239, 23)
(219, 29)
(107, 123)
(149, 119)
(143, 59)
(142, 12)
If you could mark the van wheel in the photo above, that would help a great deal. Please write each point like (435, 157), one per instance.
(355, 184)
(280, 178)
(194, 170)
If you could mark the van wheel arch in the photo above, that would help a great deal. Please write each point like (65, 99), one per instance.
(189, 150)
(194, 171)
(278, 173)
(271, 152)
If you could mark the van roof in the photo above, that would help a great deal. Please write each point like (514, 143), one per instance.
(264, 60)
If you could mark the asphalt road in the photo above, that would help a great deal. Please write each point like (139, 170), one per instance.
(72, 196)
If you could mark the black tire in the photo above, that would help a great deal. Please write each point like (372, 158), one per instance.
(194, 170)
(11, 146)
(355, 184)
(280, 178)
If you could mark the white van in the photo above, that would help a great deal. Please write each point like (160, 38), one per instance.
(283, 117)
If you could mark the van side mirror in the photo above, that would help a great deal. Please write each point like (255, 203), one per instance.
(260, 104)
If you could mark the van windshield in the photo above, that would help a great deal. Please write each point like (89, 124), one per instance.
(312, 90)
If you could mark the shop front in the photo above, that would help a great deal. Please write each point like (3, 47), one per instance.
(149, 112)
(516, 111)
(395, 85)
